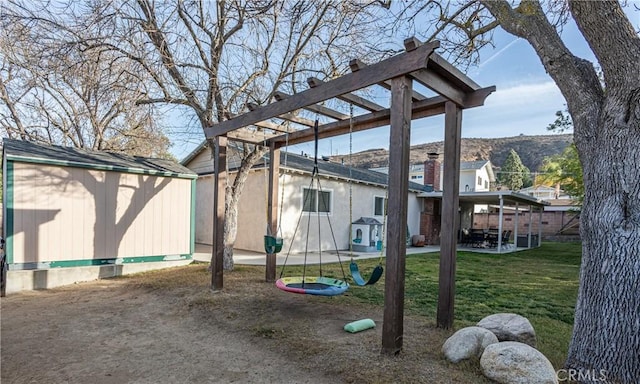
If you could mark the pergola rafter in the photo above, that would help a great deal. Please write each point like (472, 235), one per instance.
(397, 74)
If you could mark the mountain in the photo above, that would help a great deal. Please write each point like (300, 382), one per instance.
(532, 151)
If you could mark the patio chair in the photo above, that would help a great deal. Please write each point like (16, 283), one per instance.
(505, 238)
(465, 237)
(477, 238)
(492, 239)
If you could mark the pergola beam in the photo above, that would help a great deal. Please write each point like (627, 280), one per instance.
(420, 109)
(357, 64)
(439, 85)
(319, 109)
(438, 64)
(289, 116)
(251, 137)
(349, 97)
(395, 66)
(264, 124)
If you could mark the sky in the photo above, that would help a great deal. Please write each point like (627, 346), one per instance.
(525, 101)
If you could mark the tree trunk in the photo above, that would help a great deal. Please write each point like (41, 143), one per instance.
(230, 227)
(606, 337)
(232, 199)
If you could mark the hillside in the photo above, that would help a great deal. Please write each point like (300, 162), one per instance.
(532, 150)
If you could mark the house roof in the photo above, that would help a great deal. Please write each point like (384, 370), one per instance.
(297, 163)
(30, 152)
(472, 165)
(330, 169)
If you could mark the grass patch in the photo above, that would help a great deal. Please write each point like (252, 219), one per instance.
(540, 284)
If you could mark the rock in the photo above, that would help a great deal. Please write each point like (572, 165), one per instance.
(512, 362)
(510, 327)
(467, 343)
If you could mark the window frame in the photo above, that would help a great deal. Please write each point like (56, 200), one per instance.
(385, 205)
(316, 201)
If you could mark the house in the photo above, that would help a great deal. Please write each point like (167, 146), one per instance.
(367, 189)
(74, 215)
(475, 176)
(475, 202)
(545, 192)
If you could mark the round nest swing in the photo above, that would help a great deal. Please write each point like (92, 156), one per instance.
(320, 285)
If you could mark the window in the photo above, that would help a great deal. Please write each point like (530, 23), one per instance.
(479, 181)
(379, 206)
(316, 201)
(486, 184)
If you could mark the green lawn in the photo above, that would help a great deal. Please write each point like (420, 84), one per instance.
(540, 284)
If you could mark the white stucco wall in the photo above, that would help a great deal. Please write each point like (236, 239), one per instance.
(252, 212)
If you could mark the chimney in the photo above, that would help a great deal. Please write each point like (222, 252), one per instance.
(432, 171)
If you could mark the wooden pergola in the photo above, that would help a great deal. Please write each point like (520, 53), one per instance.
(419, 63)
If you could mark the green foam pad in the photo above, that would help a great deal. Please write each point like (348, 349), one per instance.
(359, 325)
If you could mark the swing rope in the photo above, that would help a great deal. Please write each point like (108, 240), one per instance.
(273, 241)
(353, 267)
(315, 180)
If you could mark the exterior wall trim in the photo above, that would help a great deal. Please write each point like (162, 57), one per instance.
(192, 245)
(8, 206)
(99, 167)
(94, 262)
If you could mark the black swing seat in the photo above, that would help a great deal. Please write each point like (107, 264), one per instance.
(357, 277)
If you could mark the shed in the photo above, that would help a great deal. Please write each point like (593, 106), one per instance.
(73, 215)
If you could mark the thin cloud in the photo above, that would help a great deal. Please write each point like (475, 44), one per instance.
(495, 55)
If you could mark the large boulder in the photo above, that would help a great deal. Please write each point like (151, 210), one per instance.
(512, 362)
(467, 343)
(510, 327)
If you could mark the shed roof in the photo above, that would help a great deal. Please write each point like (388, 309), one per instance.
(30, 152)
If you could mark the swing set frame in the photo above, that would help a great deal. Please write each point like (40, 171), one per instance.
(418, 63)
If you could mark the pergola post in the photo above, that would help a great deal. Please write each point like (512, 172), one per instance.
(500, 218)
(450, 203)
(219, 188)
(541, 209)
(399, 145)
(530, 222)
(272, 208)
(515, 228)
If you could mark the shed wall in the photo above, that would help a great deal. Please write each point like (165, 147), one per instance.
(65, 216)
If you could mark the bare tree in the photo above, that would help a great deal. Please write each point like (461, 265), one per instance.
(212, 58)
(55, 91)
(606, 133)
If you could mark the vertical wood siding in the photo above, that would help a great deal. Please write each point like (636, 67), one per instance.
(64, 214)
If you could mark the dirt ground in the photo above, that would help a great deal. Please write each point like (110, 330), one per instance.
(168, 327)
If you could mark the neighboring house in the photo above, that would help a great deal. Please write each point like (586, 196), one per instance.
(475, 176)
(75, 215)
(545, 192)
(368, 191)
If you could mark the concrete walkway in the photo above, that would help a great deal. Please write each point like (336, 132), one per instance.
(242, 257)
